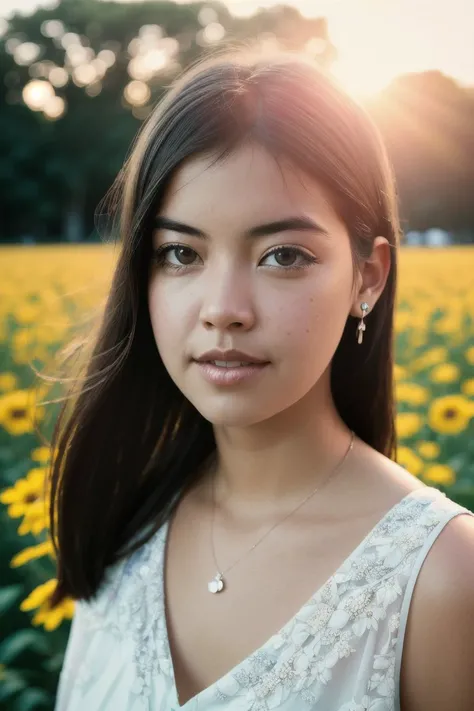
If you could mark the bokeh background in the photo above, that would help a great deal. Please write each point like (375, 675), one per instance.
(77, 78)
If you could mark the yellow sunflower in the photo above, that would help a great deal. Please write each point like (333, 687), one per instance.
(35, 521)
(399, 372)
(407, 458)
(39, 595)
(8, 381)
(402, 320)
(24, 493)
(468, 387)
(450, 414)
(412, 393)
(431, 357)
(18, 411)
(51, 619)
(41, 454)
(32, 553)
(445, 373)
(408, 424)
(440, 474)
(27, 498)
(39, 598)
(27, 313)
(428, 450)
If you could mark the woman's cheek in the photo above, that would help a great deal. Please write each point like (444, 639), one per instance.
(297, 320)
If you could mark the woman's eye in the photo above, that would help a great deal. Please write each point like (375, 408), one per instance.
(287, 258)
(184, 256)
(291, 258)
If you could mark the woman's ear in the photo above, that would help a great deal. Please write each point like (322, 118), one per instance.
(374, 273)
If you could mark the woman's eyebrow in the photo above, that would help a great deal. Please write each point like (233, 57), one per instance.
(289, 223)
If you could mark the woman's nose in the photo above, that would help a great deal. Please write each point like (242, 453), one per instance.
(228, 303)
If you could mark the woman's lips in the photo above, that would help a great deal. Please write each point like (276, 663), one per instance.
(223, 375)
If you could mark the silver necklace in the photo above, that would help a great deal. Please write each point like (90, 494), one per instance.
(217, 584)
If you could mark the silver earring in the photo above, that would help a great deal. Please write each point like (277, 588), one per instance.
(361, 327)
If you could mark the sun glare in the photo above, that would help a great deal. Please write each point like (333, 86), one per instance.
(378, 40)
(361, 83)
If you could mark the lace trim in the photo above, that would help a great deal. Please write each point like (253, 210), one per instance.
(300, 659)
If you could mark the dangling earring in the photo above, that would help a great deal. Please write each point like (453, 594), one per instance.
(361, 327)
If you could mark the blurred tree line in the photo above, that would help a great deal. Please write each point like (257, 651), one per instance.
(77, 81)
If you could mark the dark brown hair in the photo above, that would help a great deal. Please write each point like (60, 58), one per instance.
(127, 440)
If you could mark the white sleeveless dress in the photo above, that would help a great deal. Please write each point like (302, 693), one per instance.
(340, 652)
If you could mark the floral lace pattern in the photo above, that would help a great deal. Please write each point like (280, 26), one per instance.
(338, 653)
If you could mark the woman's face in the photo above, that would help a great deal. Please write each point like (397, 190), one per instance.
(225, 289)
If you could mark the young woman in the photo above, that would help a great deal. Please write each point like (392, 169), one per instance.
(230, 516)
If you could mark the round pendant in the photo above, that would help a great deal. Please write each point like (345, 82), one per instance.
(216, 585)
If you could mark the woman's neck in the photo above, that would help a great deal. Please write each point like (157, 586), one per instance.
(275, 464)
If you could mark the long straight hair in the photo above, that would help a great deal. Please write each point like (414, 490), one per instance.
(127, 440)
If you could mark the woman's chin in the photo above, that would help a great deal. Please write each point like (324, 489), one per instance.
(233, 414)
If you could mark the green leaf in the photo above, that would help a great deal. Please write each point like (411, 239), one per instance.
(11, 682)
(32, 699)
(18, 642)
(8, 596)
(54, 663)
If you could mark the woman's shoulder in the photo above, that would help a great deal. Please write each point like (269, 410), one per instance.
(374, 485)
(440, 628)
(381, 485)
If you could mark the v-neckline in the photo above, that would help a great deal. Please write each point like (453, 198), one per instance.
(197, 698)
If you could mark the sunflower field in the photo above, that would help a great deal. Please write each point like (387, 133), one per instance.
(44, 290)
